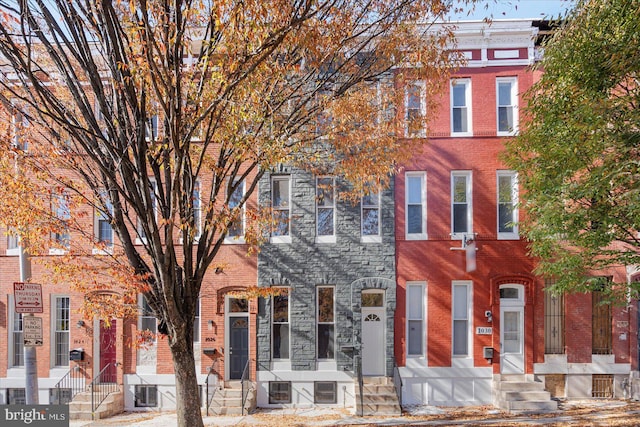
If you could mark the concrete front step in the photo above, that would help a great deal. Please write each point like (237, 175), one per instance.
(379, 409)
(80, 407)
(521, 386)
(228, 400)
(379, 397)
(519, 395)
(532, 405)
(525, 395)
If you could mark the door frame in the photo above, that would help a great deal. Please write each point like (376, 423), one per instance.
(228, 318)
(513, 304)
(381, 312)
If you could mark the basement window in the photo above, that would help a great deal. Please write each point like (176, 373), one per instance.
(602, 386)
(16, 396)
(325, 392)
(146, 396)
(279, 392)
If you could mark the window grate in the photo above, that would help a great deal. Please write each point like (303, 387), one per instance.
(601, 321)
(553, 322)
(602, 386)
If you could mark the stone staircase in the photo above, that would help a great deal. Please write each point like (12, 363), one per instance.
(80, 406)
(518, 393)
(379, 397)
(228, 400)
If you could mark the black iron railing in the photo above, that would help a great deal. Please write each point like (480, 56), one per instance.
(212, 383)
(358, 362)
(71, 384)
(102, 385)
(246, 384)
(397, 380)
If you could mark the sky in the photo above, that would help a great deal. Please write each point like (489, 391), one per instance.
(517, 9)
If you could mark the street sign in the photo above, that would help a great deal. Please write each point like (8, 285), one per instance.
(27, 297)
(32, 331)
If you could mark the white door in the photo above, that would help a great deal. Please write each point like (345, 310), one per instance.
(373, 325)
(511, 340)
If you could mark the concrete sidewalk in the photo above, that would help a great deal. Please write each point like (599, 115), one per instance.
(584, 412)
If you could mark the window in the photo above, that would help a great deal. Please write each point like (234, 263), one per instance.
(507, 205)
(553, 321)
(325, 210)
(235, 234)
(147, 321)
(415, 319)
(325, 392)
(326, 322)
(461, 319)
(416, 205)
(61, 331)
(62, 215)
(415, 109)
(16, 396)
(104, 231)
(461, 107)
(16, 348)
(279, 392)
(197, 209)
(151, 128)
(13, 247)
(146, 396)
(461, 206)
(20, 124)
(601, 323)
(280, 325)
(370, 217)
(507, 105)
(60, 396)
(141, 233)
(281, 205)
(196, 323)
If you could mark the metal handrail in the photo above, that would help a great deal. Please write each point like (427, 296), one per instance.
(210, 387)
(102, 385)
(245, 388)
(74, 380)
(397, 380)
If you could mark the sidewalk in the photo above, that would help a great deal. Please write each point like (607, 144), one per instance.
(582, 413)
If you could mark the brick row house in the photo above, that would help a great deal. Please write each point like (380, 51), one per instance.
(426, 284)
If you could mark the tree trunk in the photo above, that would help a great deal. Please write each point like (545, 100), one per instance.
(188, 405)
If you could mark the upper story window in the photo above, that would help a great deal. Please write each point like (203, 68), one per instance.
(507, 105)
(280, 325)
(141, 233)
(416, 205)
(281, 205)
(235, 234)
(147, 320)
(507, 205)
(461, 107)
(415, 319)
(197, 209)
(103, 228)
(415, 109)
(325, 210)
(370, 216)
(461, 204)
(462, 331)
(19, 125)
(13, 244)
(61, 329)
(16, 340)
(151, 128)
(325, 322)
(62, 216)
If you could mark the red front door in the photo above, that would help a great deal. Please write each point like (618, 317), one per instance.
(108, 351)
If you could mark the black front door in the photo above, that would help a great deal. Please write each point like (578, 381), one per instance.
(239, 346)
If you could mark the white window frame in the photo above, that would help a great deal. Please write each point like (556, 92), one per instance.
(13, 244)
(514, 105)
(150, 392)
(459, 235)
(140, 238)
(143, 314)
(152, 126)
(466, 83)
(61, 213)
(288, 323)
(286, 207)
(422, 235)
(318, 322)
(422, 88)
(420, 317)
(466, 316)
(326, 238)
(238, 239)
(101, 216)
(375, 197)
(197, 326)
(14, 335)
(55, 330)
(514, 234)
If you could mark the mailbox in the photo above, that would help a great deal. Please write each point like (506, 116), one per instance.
(76, 354)
(487, 352)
